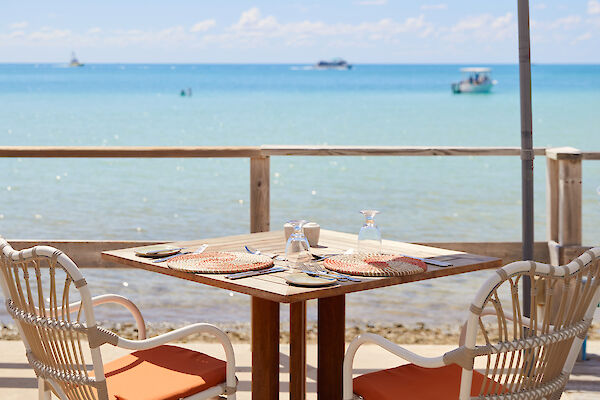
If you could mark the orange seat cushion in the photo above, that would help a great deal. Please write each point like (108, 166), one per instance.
(162, 373)
(413, 382)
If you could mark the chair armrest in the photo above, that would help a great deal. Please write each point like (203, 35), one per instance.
(221, 337)
(426, 362)
(122, 301)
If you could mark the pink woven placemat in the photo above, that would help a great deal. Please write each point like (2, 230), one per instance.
(375, 265)
(219, 262)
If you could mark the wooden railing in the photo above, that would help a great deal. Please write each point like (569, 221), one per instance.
(564, 228)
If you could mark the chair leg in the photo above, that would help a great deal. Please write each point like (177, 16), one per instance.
(44, 392)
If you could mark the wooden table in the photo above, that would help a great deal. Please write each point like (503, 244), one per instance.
(268, 291)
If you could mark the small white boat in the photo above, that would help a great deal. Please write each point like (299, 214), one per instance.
(74, 61)
(477, 80)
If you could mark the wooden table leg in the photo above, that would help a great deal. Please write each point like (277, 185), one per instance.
(331, 325)
(265, 349)
(298, 350)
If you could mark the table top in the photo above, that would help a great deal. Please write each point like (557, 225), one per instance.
(273, 287)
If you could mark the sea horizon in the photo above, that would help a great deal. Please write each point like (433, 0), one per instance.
(533, 64)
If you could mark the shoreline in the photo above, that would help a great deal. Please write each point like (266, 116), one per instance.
(240, 333)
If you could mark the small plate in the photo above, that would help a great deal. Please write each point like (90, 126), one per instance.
(156, 251)
(301, 279)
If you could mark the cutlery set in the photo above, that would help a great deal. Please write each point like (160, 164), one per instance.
(310, 270)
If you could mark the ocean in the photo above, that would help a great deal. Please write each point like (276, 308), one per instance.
(420, 198)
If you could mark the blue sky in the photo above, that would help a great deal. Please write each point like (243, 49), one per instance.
(362, 31)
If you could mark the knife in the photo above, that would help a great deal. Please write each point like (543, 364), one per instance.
(247, 274)
(331, 274)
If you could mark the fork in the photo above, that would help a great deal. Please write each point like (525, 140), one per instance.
(317, 269)
(253, 250)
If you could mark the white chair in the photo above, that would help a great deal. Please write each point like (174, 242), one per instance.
(50, 301)
(524, 358)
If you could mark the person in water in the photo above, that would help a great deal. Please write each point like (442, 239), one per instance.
(182, 94)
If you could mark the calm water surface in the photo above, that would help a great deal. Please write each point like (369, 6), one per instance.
(420, 198)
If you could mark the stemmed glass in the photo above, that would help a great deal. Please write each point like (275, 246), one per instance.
(369, 236)
(297, 251)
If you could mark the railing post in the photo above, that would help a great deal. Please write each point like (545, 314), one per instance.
(260, 216)
(564, 201)
(552, 209)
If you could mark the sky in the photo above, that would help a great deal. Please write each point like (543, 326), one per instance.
(261, 31)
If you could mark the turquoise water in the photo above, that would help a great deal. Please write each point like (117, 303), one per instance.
(421, 198)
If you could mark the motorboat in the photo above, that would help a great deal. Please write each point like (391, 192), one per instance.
(336, 63)
(476, 80)
(75, 62)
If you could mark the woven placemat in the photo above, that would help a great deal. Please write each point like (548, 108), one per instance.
(373, 264)
(219, 262)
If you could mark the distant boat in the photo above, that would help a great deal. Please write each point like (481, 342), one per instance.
(75, 62)
(477, 80)
(336, 63)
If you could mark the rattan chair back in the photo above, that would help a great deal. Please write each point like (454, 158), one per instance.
(50, 301)
(529, 357)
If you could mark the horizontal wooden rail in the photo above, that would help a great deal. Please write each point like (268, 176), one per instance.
(252, 151)
(590, 155)
(131, 151)
(262, 151)
(273, 150)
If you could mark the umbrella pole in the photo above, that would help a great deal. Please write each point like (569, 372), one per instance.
(526, 143)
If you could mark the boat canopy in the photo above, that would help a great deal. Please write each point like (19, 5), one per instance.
(476, 69)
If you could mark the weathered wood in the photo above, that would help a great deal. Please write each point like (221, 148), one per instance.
(563, 153)
(265, 349)
(569, 253)
(130, 151)
(263, 151)
(590, 155)
(569, 200)
(260, 198)
(551, 199)
(507, 251)
(273, 287)
(256, 151)
(561, 255)
(330, 358)
(303, 150)
(298, 351)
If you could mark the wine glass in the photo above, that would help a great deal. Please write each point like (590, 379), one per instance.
(369, 236)
(297, 251)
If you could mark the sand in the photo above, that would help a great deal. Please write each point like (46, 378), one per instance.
(240, 333)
